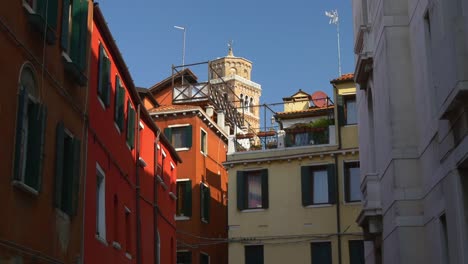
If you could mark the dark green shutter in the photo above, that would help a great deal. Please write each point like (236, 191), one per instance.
(331, 184)
(119, 101)
(35, 155)
(321, 253)
(101, 72)
(52, 11)
(65, 23)
(116, 100)
(107, 82)
(188, 199)
(207, 203)
(306, 185)
(340, 104)
(75, 32)
(168, 133)
(188, 136)
(121, 107)
(130, 126)
(19, 139)
(83, 34)
(265, 200)
(356, 252)
(76, 158)
(59, 159)
(240, 190)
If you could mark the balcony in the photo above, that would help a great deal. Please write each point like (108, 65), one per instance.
(191, 93)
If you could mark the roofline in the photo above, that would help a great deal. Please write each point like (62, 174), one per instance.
(164, 83)
(98, 17)
(338, 80)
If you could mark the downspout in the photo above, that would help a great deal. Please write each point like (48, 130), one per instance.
(137, 176)
(155, 199)
(337, 188)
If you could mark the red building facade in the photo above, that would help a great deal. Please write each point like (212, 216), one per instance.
(131, 166)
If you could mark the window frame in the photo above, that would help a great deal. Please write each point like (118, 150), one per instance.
(168, 132)
(246, 261)
(347, 98)
(329, 243)
(350, 241)
(243, 191)
(186, 212)
(205, 193)
(101, 227)
(347, 164)
(307, 184)
(203, 142)
(104, 74)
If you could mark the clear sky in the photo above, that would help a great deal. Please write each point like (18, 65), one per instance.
(290, 43)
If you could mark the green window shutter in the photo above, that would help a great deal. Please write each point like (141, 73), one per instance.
(119, 104)
(356, 252)
(265, 200)
(331, 184)
(75, 32)
(188, 199)
(35, 154)
(101, 83)
(19, 139)
(83, 34)
(116, 99)
(240, 190)
(340, 104)
(321, 252)
(65, 23)
(52, 11)
(306, 185)
(107, 83)
(188, 136)
(207, 203)
(132, 128)
(76, 157)
(168, 133)
(59, 159)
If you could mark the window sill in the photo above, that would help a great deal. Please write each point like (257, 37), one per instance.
(182, 149)
(204, 153)
(21, 186)
(352, 203)
(74, 70)
(204, 221)
(102, 240)
(116, 245)
(128, 255)
(253, 210)
(319, 205)
(181, 218)
(116, 126)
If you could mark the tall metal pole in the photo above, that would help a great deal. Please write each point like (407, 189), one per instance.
(334, 19)
(183, 48)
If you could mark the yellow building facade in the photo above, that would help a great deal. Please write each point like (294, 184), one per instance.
(298, 202)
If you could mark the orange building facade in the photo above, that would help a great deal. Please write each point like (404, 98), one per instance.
(43, 68)
(198, 135)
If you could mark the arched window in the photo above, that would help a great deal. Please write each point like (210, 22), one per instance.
(241, 100)
(251, 105)
(246, 103)
(30, 130)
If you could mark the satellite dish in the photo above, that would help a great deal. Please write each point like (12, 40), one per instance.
(320, 99)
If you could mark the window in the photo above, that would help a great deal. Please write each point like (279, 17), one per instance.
(252, 189)
(347, 111)
(100, 203)
(130, 125)
(41, 12)
(75, 32)
(321, 252)
(318, 185)
(104, 77)
(179, 136)
(203, 142)
(356, 252)
(184, 257)
(350, 111)
(204, 258)
(253, 254)
(67, 171)
(352, 182)
(119, 104)
(30, 130)
(205, 198)
(128, 233)
(184, 198)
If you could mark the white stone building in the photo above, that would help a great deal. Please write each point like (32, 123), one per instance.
(412, 71)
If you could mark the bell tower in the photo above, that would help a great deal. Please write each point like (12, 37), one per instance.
(236, 73)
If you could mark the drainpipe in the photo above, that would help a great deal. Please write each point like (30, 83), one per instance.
(155, 199)
(137, 176)
(337, 189)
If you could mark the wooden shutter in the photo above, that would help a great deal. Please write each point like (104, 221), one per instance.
(240, 190)
(188, 199)
(101, 71)
(51, 11)
(321, 253)
(207, 203)
(65, 24)
(35, 154)
(340, 104)
(131, 126)
(83, 34)
(76, 158)
(59, 158)
(254, 254)
(119, 102)
(107, 86)
(188, 136)
(75, 32)
(332, 193)
(19, 138)
(265, 200)
(168, 133)
(306, 185)
(356, 252)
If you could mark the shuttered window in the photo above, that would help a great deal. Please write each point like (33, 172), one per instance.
(130, 125)
(356, 252)
(74, 32)
(40, 13)
(184, 257)
(119, 104)
(318, 185)
(205, 197)
(253, 254)
(179, 136)
(104, 76)
(184, 198)
(31, 120)
(67, 171)
(352, 182)
(321, 253)
(204, 258)
(252, 189)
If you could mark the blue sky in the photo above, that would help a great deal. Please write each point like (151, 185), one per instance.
(290, 43)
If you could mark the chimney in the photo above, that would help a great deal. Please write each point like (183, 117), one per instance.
(220, 119)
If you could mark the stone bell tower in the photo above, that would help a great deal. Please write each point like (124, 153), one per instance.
(236, 73)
